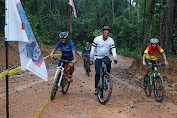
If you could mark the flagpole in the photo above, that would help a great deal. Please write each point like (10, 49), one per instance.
(7, 82)
(68, 17)
(7, 77)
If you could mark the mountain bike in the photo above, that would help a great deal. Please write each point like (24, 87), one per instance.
(61, 78)
(104, 85)
(153, 81)
(87, 63)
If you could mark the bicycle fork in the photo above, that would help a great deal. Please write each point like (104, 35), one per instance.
(59, 69)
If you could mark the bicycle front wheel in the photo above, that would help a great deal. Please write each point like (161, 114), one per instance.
(55, 86)
(105, 90)
(159, 89)
(147, 86)
(65, 82)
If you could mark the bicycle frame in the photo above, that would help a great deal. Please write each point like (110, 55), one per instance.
(87, 58)
(152, 75)
(101, 74)
(60, 69)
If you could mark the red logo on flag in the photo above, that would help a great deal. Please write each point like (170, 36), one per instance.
(23, 27)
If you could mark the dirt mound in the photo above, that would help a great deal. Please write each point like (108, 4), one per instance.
(13, 55)
(168, 71)
(14, 58)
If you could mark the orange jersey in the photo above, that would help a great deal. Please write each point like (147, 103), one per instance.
(152, 53)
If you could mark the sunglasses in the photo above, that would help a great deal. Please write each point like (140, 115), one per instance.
(105, 33)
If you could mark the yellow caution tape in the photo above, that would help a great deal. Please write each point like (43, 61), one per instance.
(53, 55)
(6, 72)
(3, 73)
(46, 57)
(42, 107)
(174, 84)
(56, 54)
(14, 70)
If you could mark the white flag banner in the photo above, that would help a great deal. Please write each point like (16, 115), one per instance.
(71, 2)
(17, 28)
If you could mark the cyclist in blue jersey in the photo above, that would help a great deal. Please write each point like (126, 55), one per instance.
(68, 51)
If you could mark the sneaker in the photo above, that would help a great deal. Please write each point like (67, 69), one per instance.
(70, 77)
(106, 87)
(95, 92)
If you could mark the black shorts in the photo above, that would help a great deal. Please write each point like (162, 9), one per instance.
(70, 58)
(150, 61)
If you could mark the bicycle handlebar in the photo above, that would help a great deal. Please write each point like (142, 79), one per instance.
(160, 64)
(62, 60)
(86, 54)
(55, 58)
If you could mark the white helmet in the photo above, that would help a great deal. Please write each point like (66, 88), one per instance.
(154, 41)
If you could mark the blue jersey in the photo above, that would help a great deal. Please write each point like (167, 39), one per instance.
(66, 48)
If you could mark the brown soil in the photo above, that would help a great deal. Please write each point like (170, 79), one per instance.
(28, 93)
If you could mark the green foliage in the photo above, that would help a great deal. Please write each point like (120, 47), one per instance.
(2, 16)
(49, 17)
(129, 53)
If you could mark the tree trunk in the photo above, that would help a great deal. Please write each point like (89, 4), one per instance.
(113, 14)
(59, 20)
(129, 6)
(169, 26)
(173, 45)
(86, 4)
(161, 24)
(144, 18)
(138, 11)
(148, 25)
(78, 7)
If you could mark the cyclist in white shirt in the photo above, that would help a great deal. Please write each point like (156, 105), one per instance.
(100, 48)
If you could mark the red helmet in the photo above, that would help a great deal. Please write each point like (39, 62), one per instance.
(106, 28)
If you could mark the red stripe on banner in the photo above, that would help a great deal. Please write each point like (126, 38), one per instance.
(74, 8)
(23, 27)
(18, 4)
(40, 63)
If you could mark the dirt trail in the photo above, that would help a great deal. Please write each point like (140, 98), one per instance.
(28, 93)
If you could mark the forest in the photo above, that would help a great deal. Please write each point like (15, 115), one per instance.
(133, 22)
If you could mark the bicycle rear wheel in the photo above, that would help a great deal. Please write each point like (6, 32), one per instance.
(65, 82)
(147, 86)
(104, 92)
(55, 86)
(159, 89)
(87, 68)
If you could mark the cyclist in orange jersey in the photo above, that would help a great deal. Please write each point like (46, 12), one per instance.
(151, 52)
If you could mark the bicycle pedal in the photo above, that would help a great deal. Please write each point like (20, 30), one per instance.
(71, 81)
(106, 87)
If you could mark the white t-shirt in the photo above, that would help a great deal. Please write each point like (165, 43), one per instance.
(100, 48)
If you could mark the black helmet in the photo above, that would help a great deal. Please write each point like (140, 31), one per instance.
(106, 28)
(63, 35)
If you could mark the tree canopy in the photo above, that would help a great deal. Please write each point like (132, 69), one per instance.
(128, 22)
